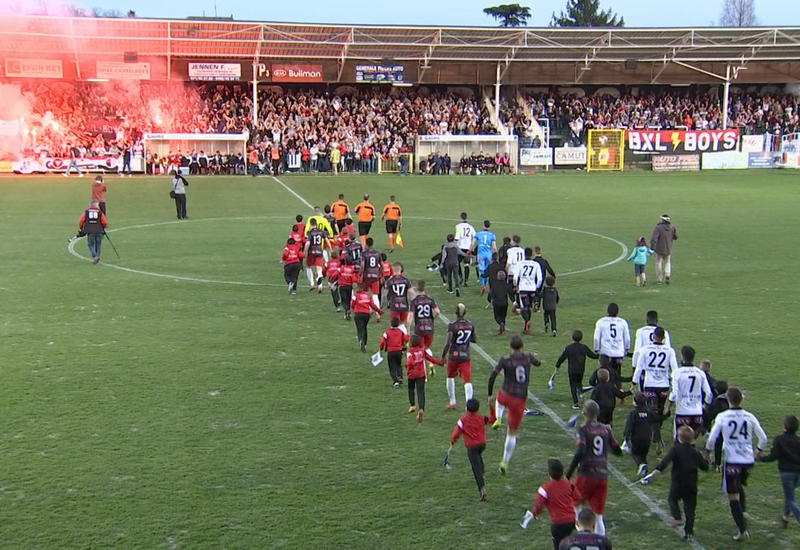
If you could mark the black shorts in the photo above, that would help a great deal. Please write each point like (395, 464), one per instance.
(694, 422)
(735, 477)
(464, 259)
(364, 227)
(340, 224)
(606, 362)
(525, 299)
(391, 226)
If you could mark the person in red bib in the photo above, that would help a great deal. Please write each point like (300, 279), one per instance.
(292, 264)
(558, 496)
(415, 374)
(345, 284)
(363, 306)
(473, 426)
(393, 342)
(332, 269)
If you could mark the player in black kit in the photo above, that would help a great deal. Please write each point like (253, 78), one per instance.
(585, 538)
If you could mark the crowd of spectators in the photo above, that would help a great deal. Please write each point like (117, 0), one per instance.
(366, 122)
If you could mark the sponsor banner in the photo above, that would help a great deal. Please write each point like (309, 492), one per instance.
(473, 138)
(676, 163)
(679, 141)
(198, 137)
(34, 68)
(570, 156)
(9, 127)
(536, 157)
(116, 70)
(728, 160)
(215, 71)
(43, 165)
(5, 167)
(760, 160)
(380, 73)
(753, 144)
(296, 73)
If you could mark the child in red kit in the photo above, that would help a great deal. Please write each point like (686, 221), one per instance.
(557, 495)
(393, 342)
(415, 373)
(473, 426)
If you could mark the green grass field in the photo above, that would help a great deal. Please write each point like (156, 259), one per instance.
(162, 412)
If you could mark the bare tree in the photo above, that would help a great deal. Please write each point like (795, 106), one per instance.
(738, 13)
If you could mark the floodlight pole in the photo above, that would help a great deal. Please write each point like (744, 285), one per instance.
(497, 97)
(255, 92)
(726, 97)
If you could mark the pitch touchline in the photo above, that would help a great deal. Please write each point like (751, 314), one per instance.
(647, 501)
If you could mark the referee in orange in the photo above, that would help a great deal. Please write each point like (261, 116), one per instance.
(366, 215)
(340, 211)
(394, 220)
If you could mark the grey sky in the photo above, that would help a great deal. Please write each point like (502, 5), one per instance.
(637, 13)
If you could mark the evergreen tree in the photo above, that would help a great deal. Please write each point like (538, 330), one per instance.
(586, 13)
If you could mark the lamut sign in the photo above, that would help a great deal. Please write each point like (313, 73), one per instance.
(674, 141)
(296, 73)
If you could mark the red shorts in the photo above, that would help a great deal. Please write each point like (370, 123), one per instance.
(516, 409)
(426, 340)
(373, 286)
(401, 315)
(593, 491)
(461, 368)
(315, 261)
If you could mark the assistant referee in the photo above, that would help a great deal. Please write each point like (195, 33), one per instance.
(394, 219)
(366, 214)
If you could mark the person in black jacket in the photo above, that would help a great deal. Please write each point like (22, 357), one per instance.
(546, 271)
(686, 460)
(639, 431)
(786, 450)
(575, 354)
(605, 393)
(550, 298)
(719, 404)
(498, 291)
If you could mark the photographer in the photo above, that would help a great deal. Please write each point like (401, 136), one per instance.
(178, 193)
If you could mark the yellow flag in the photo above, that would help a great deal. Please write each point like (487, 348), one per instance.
(399, 240)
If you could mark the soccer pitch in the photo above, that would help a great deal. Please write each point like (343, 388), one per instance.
(187, 401)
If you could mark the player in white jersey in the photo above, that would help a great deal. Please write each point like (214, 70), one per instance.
(653, 374)
(612, 339)
(465, 239)
(528, 280)
(690, 389)
(645, 334)
(514, 255)
(737, 427)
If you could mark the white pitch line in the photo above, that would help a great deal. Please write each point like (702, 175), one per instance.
(71, 249)
(290, 190)
(647, 501)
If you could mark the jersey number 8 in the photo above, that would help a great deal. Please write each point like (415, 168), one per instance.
(521, 374)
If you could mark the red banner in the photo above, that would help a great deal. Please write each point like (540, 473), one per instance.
(296, 73)
(681, 141)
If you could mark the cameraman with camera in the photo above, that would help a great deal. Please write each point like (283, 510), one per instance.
(178, 193)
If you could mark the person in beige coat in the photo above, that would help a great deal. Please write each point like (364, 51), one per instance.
(664, 234)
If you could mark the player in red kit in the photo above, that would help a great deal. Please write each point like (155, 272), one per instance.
(473, 426)
(345, 284)
(516, 368)
(393, 342)
(415, 373)
(425, 311)
(292, 264)
(557, 495)
(362, 306)
(460, 334)
(372, 273)
(316, 241)
(397, 287)
(332, 269)
(594, 441)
